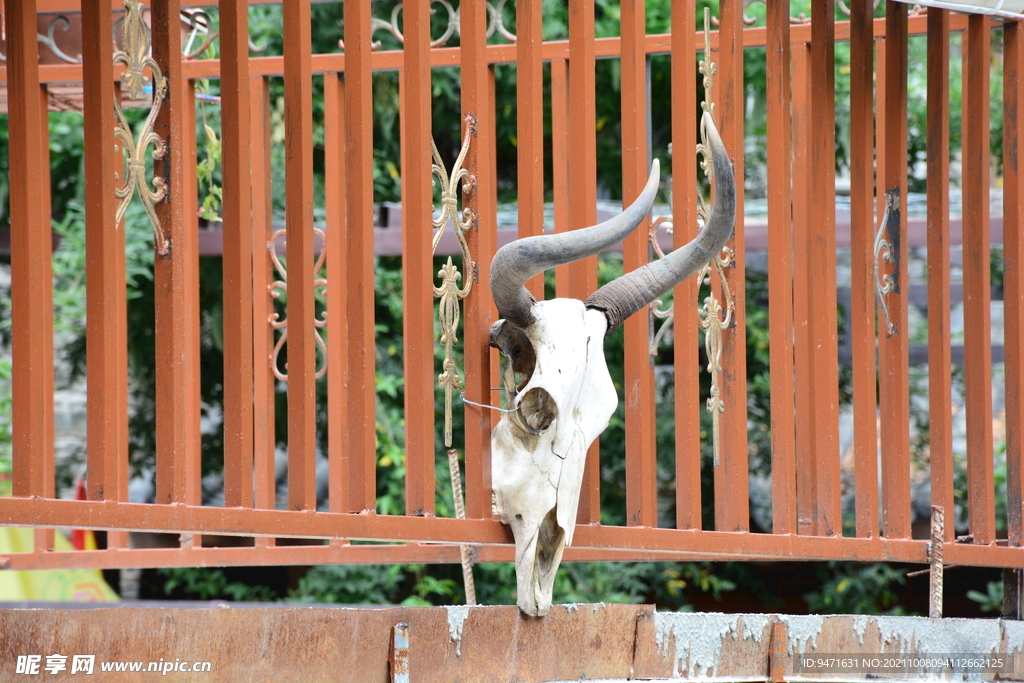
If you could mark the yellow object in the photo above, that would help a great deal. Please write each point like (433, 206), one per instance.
(65, 585)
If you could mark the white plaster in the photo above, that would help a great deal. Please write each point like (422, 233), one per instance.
(457, 615)
(698, 637)
(802, 631)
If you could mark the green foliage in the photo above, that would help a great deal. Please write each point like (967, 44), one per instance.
(850, 588)
(205, 583)
(991, 600)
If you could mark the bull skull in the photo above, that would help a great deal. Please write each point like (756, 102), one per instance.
(566, 396)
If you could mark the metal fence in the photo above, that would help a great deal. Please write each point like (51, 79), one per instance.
(805, 465)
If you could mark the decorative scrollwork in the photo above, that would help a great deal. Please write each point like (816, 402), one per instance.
(885, 284)
(199, 24)
(279, 287)
(714, 319)
(449, 292)
(452, 27)
(136, 59)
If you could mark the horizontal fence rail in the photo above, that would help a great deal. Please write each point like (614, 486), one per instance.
(299, 306)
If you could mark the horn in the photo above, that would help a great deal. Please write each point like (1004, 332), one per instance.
(627, 294)
(517, 262)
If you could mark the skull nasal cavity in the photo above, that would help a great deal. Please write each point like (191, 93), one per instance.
(538, 409)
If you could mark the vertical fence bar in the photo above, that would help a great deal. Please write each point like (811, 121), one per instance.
(822, 256)
(940, 426)
(780, 270)
(560, 162)
(31, 278)
(732, 499)
(530, 125)
(417, 264)
(805, 454)
(477, 77)
(298, 116)
(238, 254)
(337, 288)
(880, 111)
(106, 351)
(1013, 295)
(264, 437)
(44, 537)
(359, 161)
(893, 369)
(641, 455)
(861, 316)
(684, 228)
(977, 279)
(176, 281)
(582, 147)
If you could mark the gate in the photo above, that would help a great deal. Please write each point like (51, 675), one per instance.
(338, 260)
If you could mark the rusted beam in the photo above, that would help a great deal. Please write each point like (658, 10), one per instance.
(582, 152)
(1013, 295)
(417, 264)
(361, 457)
(638, 389)
(238, 256)
(176, 280)
(31, 278)
(822, 255)
(477, 79)
(977, 280)
(780, 271)
(940, 423)
(684, 228)
(862, 295)
(337, 289)
(806, 462)
(893, 369)
(530, 126)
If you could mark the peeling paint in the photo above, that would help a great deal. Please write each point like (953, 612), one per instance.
(934, 636)
(456, 618)
(698, 637)
(802, 630)
(860, 624)
(1013, 635)
(571, 607)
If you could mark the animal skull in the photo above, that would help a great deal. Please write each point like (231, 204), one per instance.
(566, 396)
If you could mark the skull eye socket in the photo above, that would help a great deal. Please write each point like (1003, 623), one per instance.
(538, 410)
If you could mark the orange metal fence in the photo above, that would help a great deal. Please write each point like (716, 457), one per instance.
(805, 464)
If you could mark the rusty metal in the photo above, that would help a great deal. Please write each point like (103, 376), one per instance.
(530, 125)
(638, 385)
(1013, 251)
(940, 422)
(418, 163)
(862, 313)
(780, 268)
(977, 280)
(477, 81)
(581, 147)
(731, 477)
(894, 401)
(821, 269)
(398, 661)
(935, 551)
(361, 460)
(804, 499)
(686, 385)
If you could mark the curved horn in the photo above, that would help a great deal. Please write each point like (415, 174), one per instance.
(627, 294)
(517, 262)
